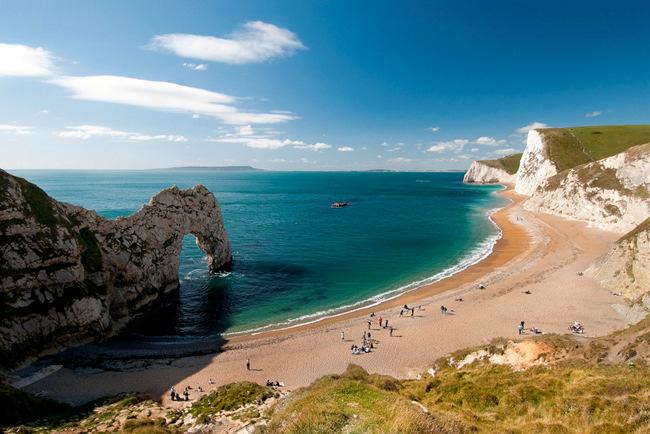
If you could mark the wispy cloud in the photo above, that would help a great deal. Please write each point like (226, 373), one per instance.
(17, 130)
(433, 129)
(593, 114)
(23, 61)
(452, 145)
(196, 66)
(85, 132)
(265, 139)
(165, 96)
(489, 141)
(532, 126)
(316, 147)
(345, 149)
(254, 42)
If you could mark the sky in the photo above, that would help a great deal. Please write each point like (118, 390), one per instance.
(310, 85)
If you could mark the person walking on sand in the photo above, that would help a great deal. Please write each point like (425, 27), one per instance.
(412, 312)
(520, 328)
(386, 324)
(369, 324)
(391, 330)
(187, 394)
(381, 320)
(248, 364)
(401, 312)
(172, 393)
(342, 335)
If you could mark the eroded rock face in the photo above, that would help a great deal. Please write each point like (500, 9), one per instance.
(626, 267)
(611, 194)
(479, 173)
(535, 166)
(69, 276)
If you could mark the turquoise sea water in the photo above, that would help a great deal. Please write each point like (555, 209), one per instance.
(295, 258)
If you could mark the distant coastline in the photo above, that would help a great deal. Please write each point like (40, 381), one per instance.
(217, 168)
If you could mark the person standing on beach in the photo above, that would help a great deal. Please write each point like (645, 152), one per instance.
(401, 312)
(173, 393)
(386, 324)
(412, 312)
(380, 321)
(248, 364)
(369, 323)
(391, 331)
(342, 335)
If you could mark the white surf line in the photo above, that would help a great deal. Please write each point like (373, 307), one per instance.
(375, 300)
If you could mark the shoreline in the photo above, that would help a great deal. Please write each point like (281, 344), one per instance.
(534, 274)
(512, 241)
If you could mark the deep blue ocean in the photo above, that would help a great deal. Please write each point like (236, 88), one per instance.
(294, 256)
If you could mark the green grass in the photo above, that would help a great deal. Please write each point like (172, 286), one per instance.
(354, 402)
(509, 163)
(230, 397)
(570, 147)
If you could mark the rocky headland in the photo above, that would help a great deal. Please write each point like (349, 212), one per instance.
(69, 276)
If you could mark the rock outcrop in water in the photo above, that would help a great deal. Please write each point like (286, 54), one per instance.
(69, 276)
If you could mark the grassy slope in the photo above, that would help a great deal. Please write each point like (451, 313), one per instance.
(570, 147)
(509, 163)
(598, 385)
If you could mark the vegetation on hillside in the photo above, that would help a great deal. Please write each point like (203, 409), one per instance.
(508, 163)
(570, 147)
(546, 384)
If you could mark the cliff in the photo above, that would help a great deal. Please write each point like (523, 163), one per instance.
(626, 267)
(611, 194)
(502, 170)
(553, 150)
(69, 276)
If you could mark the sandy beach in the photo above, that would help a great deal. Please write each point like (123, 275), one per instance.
(537, 253)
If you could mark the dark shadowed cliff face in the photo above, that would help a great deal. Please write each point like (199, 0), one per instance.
(69, 276)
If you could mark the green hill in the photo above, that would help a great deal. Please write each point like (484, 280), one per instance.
(509, 163)
(570, 147)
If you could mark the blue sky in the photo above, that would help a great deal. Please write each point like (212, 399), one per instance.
(298, 85)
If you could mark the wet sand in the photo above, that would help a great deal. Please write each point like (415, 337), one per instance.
(537, 253)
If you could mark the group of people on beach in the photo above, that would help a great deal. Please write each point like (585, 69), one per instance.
(175, 396)
(521, 328)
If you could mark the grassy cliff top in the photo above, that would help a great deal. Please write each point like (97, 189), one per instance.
(570, 147)
(509, 163)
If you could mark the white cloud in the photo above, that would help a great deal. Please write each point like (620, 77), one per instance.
(593, 114)
(266, 139)
(165, 96)
(254, 42)
(400, 160)
(453, 145)
(345, 149)
(85, 132)
(433, 129)
(304, 160)
(505, 151)
(535, 125)
(489, 141)
(196, 66)
(17, 130)
(23, 61)
(316, 147)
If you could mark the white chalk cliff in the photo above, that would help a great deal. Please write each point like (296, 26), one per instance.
(611, 194)
(482, 173)
(69, 276)
(535, 165)
(626, 267)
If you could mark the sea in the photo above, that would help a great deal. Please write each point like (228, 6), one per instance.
(296, 259)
